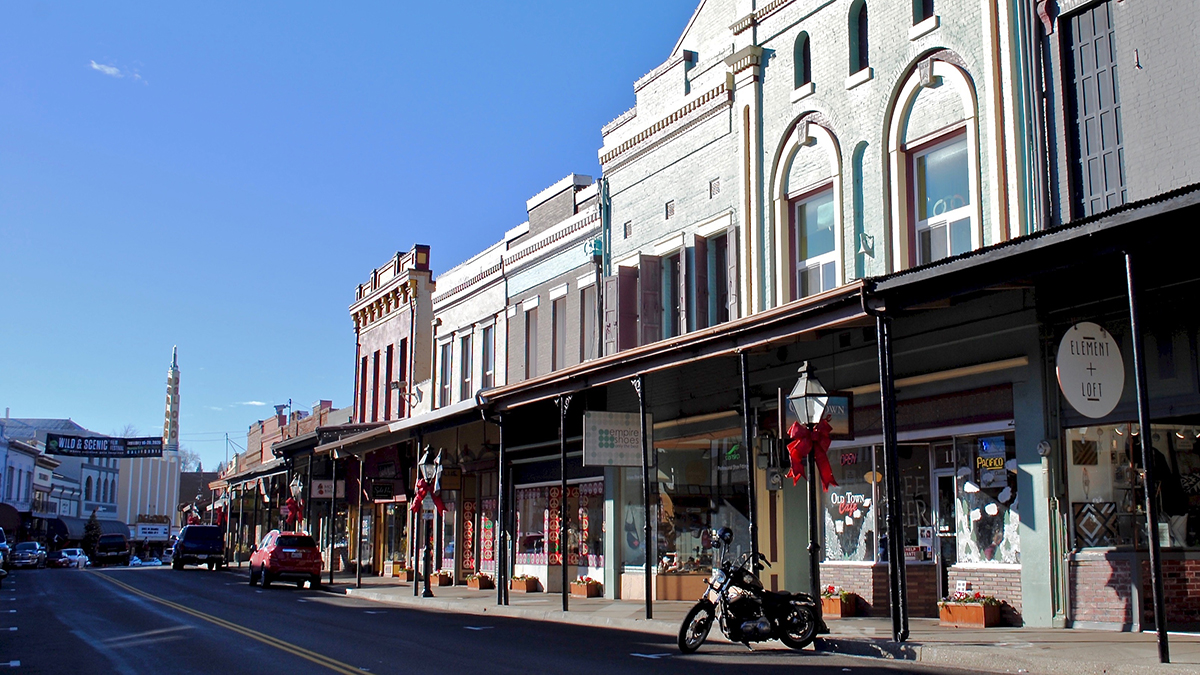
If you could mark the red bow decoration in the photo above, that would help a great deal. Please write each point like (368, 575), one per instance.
(425, 489)
(815, 441)
(293, 511)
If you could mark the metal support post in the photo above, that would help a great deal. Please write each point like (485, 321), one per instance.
(564, 403)
(241, 531)
(332, 511)
(358, 554)
(1149, 481)
(751, 469)
(501, 521)
(639, 383)
(898, 591)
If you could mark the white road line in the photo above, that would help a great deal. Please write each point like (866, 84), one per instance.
(12, 664)
(478, 627)
(12, 611)
(12, 627)
(651, 656)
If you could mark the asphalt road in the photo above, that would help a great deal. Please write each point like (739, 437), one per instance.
(152, 620)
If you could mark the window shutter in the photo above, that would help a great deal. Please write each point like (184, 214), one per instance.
(627, 308)
(610, 315)
(700, 282)
(650, 308)
(682, 291)
(1099, 183)
(731, 255)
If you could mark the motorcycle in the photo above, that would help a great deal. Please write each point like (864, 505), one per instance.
(745, 611)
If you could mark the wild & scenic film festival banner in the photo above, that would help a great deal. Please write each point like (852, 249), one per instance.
(103, 446)
(613, 438)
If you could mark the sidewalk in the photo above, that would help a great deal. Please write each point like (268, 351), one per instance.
(1011, 650)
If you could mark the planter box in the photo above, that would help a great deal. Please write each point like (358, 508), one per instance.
(968, 615)
(530, 585)
(837, 608)
(406, 575)
(442, 579)
(579, 590)
(481, 583)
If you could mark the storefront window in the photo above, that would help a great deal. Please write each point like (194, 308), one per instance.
(533, 516)
(449, 523)
(1104, 483)
(633, 550)
(585, 543)
(850, 507)
(702, 486)
(986, 495)
(395, 541)
(487, 536)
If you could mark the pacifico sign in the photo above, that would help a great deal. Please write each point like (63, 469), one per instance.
(1091, 372)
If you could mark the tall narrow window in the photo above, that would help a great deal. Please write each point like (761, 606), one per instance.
(671, 307)
(387, 382)
(465, 365)
(1094, 100)
(407, 386)
(922, 9)
(87, 486)
(444, 374)
(816, 263)
(362, 390)
(943, 200)
(375, 387)
(859, 52)
(718, 276)
(531, 343)
(803, 59)
(488, 357)
(587, 324)
(558, 319)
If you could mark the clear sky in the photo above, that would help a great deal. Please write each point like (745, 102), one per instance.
(220, 175)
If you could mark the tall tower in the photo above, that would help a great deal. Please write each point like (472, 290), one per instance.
(171, 422)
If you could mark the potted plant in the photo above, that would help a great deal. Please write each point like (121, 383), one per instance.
(480, 582)
(405, 573)
(523, 583)
(442, 578)
(969, 610)
(837, 602)
(586, 587)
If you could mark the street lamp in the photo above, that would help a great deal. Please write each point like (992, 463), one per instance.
(429, 473)
(808, 400)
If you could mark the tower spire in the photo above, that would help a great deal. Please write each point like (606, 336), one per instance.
(171, 420)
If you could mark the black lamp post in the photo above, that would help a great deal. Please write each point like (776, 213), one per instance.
(808, 400)
(429, 470)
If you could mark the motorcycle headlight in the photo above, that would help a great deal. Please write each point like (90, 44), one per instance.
(718, 578)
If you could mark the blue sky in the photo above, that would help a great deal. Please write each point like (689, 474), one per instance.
(221, 175)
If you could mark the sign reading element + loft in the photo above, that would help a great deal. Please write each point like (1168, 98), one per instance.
(1091, 372)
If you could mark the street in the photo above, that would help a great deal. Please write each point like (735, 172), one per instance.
(143, 620)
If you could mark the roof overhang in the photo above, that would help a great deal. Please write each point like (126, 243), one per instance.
(402, 430)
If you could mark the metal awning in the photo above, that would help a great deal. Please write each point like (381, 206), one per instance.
(839, 308)
(73, 528)
(274, 467)
(402, 430)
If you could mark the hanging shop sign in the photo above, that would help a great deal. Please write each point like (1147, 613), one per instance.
(613, 438)
(322, 488)
(381, 490)
(839, 413)
(103, 446)
(1091, 372)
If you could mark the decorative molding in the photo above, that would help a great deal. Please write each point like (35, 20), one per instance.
(619, 121)
(1046, 11)
(754, 19)
(577, 226)
(744, 59)
(803, 91)
(494, 269)
(695, 111)
(864, 75)
(924, 28)
(649, 77)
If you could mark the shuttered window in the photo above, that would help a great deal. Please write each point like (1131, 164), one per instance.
(1098, 176)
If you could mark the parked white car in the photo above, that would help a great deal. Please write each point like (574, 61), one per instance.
(77, 557)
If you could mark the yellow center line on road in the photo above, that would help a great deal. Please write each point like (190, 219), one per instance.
(319, 659)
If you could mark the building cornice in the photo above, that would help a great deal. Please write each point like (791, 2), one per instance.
(668, 127)
(653, 75)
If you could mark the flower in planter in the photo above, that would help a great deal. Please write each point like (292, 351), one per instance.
(832, 591)
(588, 581)
(522, 577)
(967, 598)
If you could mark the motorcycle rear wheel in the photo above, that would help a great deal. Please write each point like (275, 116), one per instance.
(799, 627)
(695, 627)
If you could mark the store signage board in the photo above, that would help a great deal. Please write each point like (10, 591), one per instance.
(382, 491)
(613, 438)
(322, 488)
(153, 531)
(1091, 372)
(103, 446)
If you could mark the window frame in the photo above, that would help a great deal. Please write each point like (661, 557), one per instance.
(795, 201)
(802, 56)
(531, 346)
(558, 333)
(953, 134)
(487, 356)
(860, 43)
(465, 366)
(445, 356)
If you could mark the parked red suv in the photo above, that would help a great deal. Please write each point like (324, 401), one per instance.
(291, 556)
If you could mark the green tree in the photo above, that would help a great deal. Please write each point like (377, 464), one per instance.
(91, 535)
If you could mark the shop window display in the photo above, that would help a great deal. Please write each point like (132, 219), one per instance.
(449, 523)
(986, 500)
(850, 507)
(1104, 483)
(633, 518)
(395, 542)
(487, 536)
(702, 484)
(533, 516)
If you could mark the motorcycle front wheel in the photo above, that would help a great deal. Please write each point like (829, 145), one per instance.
(695, 627)
(799, 627)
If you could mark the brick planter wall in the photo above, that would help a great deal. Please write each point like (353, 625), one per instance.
(870, 584)
(1101, 590)
(1181, 588)
(1003, 583)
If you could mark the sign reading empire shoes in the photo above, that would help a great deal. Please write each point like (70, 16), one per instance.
(103, 446)
(1091, 372)
(612, 438)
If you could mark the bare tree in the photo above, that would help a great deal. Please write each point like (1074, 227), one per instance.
(127, 431)
(189, 460)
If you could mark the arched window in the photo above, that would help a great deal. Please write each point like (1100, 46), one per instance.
(87, 489)
(922, 9)
(803, 61)
(107, 490)
(859, 52)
